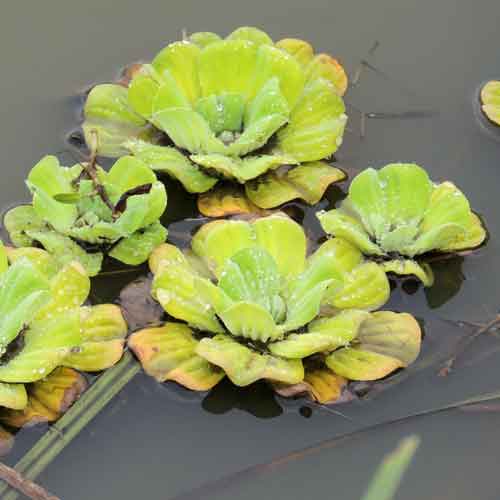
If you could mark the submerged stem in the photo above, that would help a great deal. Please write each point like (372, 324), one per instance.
(448, 366)
(74, 420)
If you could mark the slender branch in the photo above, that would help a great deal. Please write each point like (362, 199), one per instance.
(24, 486)
(448, 366)
(91, 170)
(73, 421)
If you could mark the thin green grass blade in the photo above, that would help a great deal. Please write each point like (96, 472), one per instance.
(390, 472)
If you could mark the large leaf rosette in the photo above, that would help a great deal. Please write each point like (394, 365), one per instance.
(82, 213)
(397, 214)
(232, 108)
(252, 305)
(44, 323)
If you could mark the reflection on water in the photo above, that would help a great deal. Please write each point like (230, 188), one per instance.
(449, 278)
(257, 399)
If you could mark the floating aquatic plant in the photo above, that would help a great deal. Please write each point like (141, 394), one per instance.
(81, 213)
(233, 108)
(44, 326)
(254, 306)
(490, 101)
(397, 214)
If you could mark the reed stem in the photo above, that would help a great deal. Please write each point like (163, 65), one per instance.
(60, 434)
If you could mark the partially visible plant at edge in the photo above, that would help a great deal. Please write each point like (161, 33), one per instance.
(82, 213)
(252, 305)
(242, 108)
(47, 333)
(490, 101)
(397, 216)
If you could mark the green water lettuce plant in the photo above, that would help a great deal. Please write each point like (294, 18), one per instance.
(44, 324)
(490, 101)
(397, 214)
(233, 108)
(82, 213)
(252, 305)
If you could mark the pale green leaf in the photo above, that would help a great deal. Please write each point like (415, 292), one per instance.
(251, 34)
(422, 271)
(46, 344)
(136, 248)
(316, 123)
(223, 112)
(23, 292)
(188, 130)
(18, 221)
(175, 164)
(365, 287)
(252, 275)
(181, 59)
(218, 241)
(65, 250)
(272, 62)
(251, 321)
(244, 366)
(285, 240)
(227, 66)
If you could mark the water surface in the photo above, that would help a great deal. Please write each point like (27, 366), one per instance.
(417, 91)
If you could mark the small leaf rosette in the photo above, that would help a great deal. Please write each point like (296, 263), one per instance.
(490, 101)
(233, 108)
(397, 213)
(45, 326)
(82, 213)
(254, 306)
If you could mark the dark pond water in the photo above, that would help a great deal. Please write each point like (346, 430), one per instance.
(418, 90)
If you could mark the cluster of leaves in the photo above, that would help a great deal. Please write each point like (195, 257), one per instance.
(396, 214)
(251, 302)
(46, 333)
(254, 306)
(237, 108)
(82, 212)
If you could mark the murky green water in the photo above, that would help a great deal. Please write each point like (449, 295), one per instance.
(159, 441)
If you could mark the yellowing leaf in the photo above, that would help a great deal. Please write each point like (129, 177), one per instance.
(169, 353)
(48, 398)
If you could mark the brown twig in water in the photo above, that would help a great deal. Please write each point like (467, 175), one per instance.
(357, 75)
(91, 171)
(24, 486)
(448, 366)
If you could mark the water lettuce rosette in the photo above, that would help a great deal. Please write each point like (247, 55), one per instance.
(82, 213)
(234, 108)
(44, 325)
(397, 214)
(250, 304)
(490, 101)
